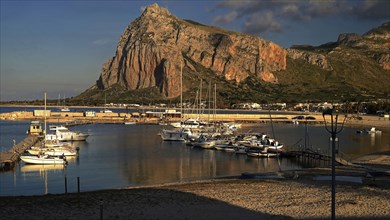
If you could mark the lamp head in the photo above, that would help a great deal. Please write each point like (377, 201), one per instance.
(328, 112)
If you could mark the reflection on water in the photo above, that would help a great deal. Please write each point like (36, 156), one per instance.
(117, 156)
(41, 168)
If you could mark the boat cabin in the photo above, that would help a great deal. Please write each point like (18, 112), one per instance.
(35, 128)
(89, 114)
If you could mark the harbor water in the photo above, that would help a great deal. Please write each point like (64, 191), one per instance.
(119, 156)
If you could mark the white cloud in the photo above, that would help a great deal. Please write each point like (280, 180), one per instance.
(372, 9)
(258, 14)
(262, 22)
(100, 42)
(224, 19)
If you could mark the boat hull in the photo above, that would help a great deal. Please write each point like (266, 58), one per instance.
(42, 160)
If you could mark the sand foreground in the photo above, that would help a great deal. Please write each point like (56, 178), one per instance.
(296, 195)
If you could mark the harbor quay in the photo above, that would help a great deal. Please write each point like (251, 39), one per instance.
(151, 117)
(158, 117)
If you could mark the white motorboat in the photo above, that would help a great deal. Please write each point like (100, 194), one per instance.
(175, 135)
(62, 133)
(189, 123)
(43, 159)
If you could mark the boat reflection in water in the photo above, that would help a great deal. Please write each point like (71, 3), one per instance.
(41, 168)
(40, 173)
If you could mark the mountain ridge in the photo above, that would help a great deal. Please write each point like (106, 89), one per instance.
(150, 57)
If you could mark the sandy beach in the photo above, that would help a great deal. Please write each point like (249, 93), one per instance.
(281, 195)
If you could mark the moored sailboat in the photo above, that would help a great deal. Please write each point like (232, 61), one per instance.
(43, 159)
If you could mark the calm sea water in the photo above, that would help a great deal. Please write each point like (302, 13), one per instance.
(117, 156)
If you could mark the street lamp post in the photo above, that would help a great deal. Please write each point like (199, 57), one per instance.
(333, 128)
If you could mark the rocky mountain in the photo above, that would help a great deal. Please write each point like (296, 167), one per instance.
(157, 47)
(152, 48)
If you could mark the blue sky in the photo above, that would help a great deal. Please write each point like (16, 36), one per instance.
(59, 46)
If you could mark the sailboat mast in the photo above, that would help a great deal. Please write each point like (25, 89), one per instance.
(272, 126)
(44, 133)
(209, 104)
(215, 101)
(64, 102)
(59, 101)
(200, 99)
(181, 89)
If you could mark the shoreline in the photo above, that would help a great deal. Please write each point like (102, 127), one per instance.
(288, 194)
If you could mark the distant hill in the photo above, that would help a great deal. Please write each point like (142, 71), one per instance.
(156, 47)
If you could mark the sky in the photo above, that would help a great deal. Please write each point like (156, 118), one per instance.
(58, 47)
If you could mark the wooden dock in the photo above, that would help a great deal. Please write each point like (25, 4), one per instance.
(310, 154)
(9, 158)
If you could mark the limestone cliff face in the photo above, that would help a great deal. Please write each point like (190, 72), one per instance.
(152, 48)
(375, 41)
(310, 57)
(375, 44)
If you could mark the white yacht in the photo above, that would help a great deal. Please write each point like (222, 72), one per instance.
(62, 133)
